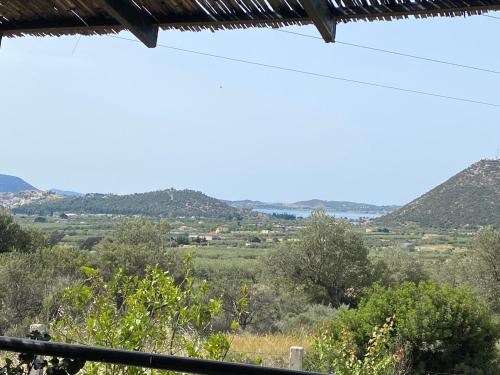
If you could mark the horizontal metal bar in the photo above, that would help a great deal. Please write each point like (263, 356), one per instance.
(138, 359)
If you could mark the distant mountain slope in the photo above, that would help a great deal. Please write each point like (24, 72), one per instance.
(469, 199)
(165, 203)
(66, 193)
(339, 206)
(12, 184)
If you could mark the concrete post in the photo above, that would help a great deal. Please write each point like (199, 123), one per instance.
(42, 328)
(296, 358)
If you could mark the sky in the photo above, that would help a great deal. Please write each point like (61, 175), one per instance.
(101, 114)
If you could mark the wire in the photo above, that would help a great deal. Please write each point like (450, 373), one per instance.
(320, 75)
(398, 53)
(490, 16)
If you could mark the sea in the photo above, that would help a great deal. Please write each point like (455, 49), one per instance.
(307, 213)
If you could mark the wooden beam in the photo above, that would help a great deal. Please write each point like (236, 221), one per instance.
(74, 26)
(138, 21)
(322, 17)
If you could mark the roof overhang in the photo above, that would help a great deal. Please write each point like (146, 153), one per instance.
(145, 17)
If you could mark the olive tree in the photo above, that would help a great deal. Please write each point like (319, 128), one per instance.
(135, 244)
(486, 258)
(329, 260)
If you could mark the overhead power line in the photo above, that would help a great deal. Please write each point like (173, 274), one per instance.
(319, 75)
(428, 59)
(490, 16)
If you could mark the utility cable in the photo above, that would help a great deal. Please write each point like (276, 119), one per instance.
(428, 59)
(319, 75)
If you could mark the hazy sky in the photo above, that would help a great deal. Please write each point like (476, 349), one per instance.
(116, 117)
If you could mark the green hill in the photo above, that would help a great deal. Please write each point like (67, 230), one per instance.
(165, 203)
(12, 184)
(469, 199)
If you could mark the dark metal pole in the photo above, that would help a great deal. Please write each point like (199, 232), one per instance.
(138, 359)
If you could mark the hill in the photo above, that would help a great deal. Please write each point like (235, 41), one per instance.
(469, 199)
(339, 206)
(165, 203)
(65, 193)
(12, 184)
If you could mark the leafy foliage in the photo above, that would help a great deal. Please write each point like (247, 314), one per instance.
(14, 237)
(329, 260)
(444, 329)
(394, 266)
(31, 285)
(135, 244)
(151, 313)
(486, 257)
(342, 357)
(479, 268)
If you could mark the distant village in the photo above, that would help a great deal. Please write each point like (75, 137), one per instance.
(11, 200)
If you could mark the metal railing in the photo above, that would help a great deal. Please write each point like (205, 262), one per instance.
(139, 359)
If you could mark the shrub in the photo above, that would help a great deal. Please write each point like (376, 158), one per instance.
(146, 314)
(442, 328)
(341, 357)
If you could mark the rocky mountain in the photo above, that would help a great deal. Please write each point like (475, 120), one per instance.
(13, 184)
(469, 199)
(164, 203)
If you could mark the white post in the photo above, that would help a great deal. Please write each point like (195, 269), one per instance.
(41, 328)
(296, 358)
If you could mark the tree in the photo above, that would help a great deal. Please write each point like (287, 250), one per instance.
(14, 237)
(398, 266)
(479, 268)
(442, 329)
(142, 231)
(329, 260)
(486, 256)
(135, 244)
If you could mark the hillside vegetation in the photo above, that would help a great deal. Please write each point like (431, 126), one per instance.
(342, 206)
(12, 184)
(469, 199)
(165, 203)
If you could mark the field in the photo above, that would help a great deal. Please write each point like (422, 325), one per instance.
(243, 242)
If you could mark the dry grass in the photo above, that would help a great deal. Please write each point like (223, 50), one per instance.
(269, 344)
(272, 349)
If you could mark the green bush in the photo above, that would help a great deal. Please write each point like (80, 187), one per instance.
(31, 285)
(14, 237)
(441, 328)
(152, 313)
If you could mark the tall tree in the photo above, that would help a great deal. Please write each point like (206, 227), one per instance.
(486, 256)
(328, 259)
